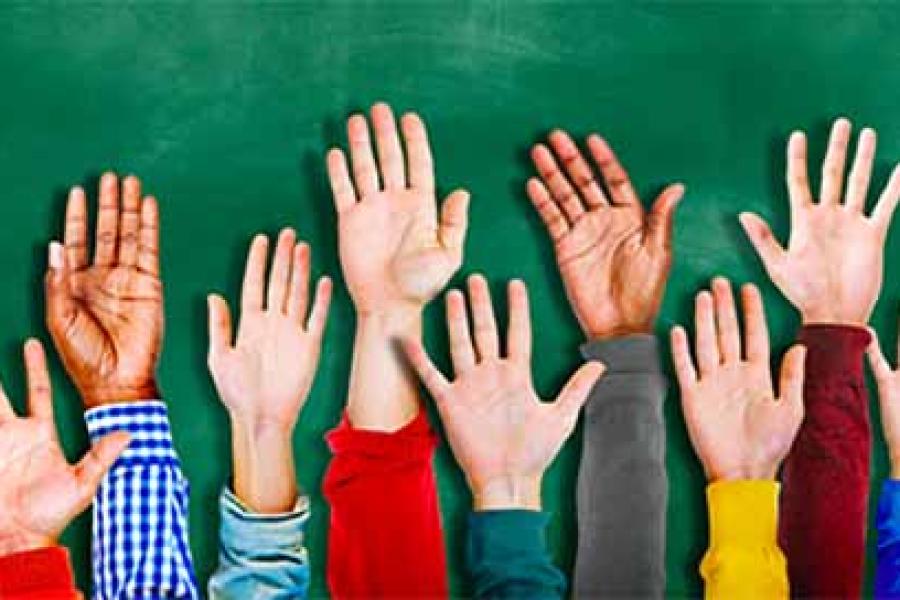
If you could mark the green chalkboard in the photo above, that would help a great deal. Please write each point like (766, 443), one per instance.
(226, 110)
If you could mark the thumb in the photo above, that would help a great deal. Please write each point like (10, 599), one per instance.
(661, 219)
(91, 469)
(576, 391)
(768, 248)
(219, 325)
(881, 368)
(790, 384)
(435, 382)
(60, 307)
(454, 220)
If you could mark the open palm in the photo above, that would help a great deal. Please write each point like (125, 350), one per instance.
(393, 248)
(499, 429)
(106, 318)
(40, 492)
(613, 257)
(832, 267)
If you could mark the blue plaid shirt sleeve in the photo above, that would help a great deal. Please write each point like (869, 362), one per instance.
(140, 531)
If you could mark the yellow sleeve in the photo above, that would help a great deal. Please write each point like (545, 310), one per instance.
(743, 559)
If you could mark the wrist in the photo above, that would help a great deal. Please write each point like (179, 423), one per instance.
(102, 395)
(399, 321)
(616, 331)
(895, 468)
(264, 477)
(826, 316)
(507, 492)
(742, 473)
(14, 543)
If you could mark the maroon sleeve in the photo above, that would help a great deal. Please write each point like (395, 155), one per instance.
(826, 475)
(43, 574)
(385, 537)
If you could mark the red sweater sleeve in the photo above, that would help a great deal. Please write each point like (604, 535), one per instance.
(43, 574)
(385, 537)
(826, 476)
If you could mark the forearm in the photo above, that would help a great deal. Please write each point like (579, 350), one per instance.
(826, 475)
(383, 392)
(743, 559)
(140, 542)
(622, 487)
(264, 476)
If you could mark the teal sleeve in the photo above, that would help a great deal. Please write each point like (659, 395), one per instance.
(507, 556)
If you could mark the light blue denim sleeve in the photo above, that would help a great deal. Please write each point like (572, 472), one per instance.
(261, 557)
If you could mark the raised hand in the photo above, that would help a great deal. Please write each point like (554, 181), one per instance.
(40, 492)
(106, 317)
(613, 256)
(739, 428)
(888, 381)
(395, 253)
(503, 436)
(832, 268)
(264, 377)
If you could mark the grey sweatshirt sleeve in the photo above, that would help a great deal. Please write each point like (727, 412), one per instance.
(622, 487)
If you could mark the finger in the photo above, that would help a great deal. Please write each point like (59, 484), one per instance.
(560, 189)
(254, 274)
(861, 172)
(462, 352)
(756, 344)
(708, 358)
(390, 154)
(790, 387)
(91, 469)
(107, 221)
(797, 172)
(881, 368)
(364, 172)
(661, 220)
(454, 220)
(486, 340)
(339, 178)
(556, 223)
(418, 151)
(620, 189)
(280, 273)
(220, 332)
(40, 400)
(833, 165)
(129, 221)
(578, 388)
(318, 316)
(767, 247)
(681, 356)
(729, 334)
(6, 409)
(75, 235)
(298, 297)
(518, 340)
(434, 381)
(884, 209)
(148, 245)
(60, 305)
(579, 170)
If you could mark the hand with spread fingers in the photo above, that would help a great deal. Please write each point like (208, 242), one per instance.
(738, 425)
(503, 436)
(40, 492)
(614, 257)
(106, 317)
(395, 252)
(831, 270)
(264, 377)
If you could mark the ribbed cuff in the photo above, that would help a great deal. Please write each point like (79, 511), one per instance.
(43, 573)
(743, 513)
(833, 352)
(499, 534)
(415, 439)
(147, 423)
(629, 354)
(247, 532)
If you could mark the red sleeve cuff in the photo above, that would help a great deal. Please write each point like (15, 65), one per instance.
(43, 574)
(413, 440)
(833, 352)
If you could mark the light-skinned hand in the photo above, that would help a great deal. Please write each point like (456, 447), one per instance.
(40, 492)
(613, 256)
(738, 426)
(831, 270)
(888, 381)
(106, 317)
(503, 436)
